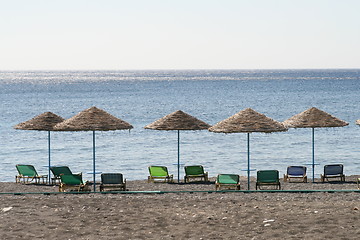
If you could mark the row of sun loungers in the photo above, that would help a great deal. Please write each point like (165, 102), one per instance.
(232, 181)
(69, 181)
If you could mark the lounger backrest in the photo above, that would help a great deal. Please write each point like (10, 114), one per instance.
(57, 171)
(334, 169)
(228, 178)
(268, 176)
(26, 170)
(158, 171)
(71, 179)
(111, 178)
(194, 170)
(296, 170)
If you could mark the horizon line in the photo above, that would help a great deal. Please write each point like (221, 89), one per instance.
(175, 69)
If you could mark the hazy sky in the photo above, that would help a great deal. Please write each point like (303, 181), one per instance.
(179, 34)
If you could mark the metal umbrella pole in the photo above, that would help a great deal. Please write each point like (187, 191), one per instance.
(49, 143)
(248, 170)
(178, 165)
(313, 155)
(94, 161)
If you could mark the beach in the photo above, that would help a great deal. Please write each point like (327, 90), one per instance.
(198, 213)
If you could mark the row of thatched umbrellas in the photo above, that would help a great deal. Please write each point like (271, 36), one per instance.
(245, 121)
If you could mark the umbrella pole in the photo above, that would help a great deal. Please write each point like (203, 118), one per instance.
(313, 155)
(248, 170)
(178, 165)
(94, 160)
(49, 156)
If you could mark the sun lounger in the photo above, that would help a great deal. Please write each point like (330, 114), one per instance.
(228, 181)
(29, 174)
(112, 181)
(58, 170)
(159, 173)
(196, 171)
(72, 182)
(296, 172)
(268, 178)
(333, 171)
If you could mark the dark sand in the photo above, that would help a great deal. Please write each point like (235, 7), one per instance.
(205, 215)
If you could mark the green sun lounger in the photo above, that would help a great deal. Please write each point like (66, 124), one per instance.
(60, 170)
(159, 173)
(196, 171)
(72, 182)
(28, 174)
(112, 182)
(228, 181)
(268, 178)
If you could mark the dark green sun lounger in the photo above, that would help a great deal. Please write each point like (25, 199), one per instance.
(268, 178)
(112, 182)
(194, 172)
(28, 174)
(60, 170)
(73, 182)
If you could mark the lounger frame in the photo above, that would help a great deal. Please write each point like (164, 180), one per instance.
(164, 177)
(28, 174)
(333, 171)
(199, 173)
(233, 185)
(112, 182)
(296, 172)
(73, 183)
(268, 178)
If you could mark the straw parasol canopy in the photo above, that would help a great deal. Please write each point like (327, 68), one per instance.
(248, 121)
(314, 118)
(43, 122)
(93, 119)
(358, 122)
(178, 120)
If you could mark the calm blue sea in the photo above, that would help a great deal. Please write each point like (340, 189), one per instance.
(141, 97)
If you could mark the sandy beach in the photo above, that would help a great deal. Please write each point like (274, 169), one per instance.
(196, 215)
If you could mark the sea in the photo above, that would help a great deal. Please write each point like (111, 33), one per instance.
(143, 96)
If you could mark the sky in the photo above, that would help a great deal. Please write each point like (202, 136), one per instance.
(179, 34)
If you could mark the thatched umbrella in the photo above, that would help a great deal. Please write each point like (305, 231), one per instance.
(43, 122)
(93, 119)
(358, 122)
(178, 120)
(248, 121)
(314, 118)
